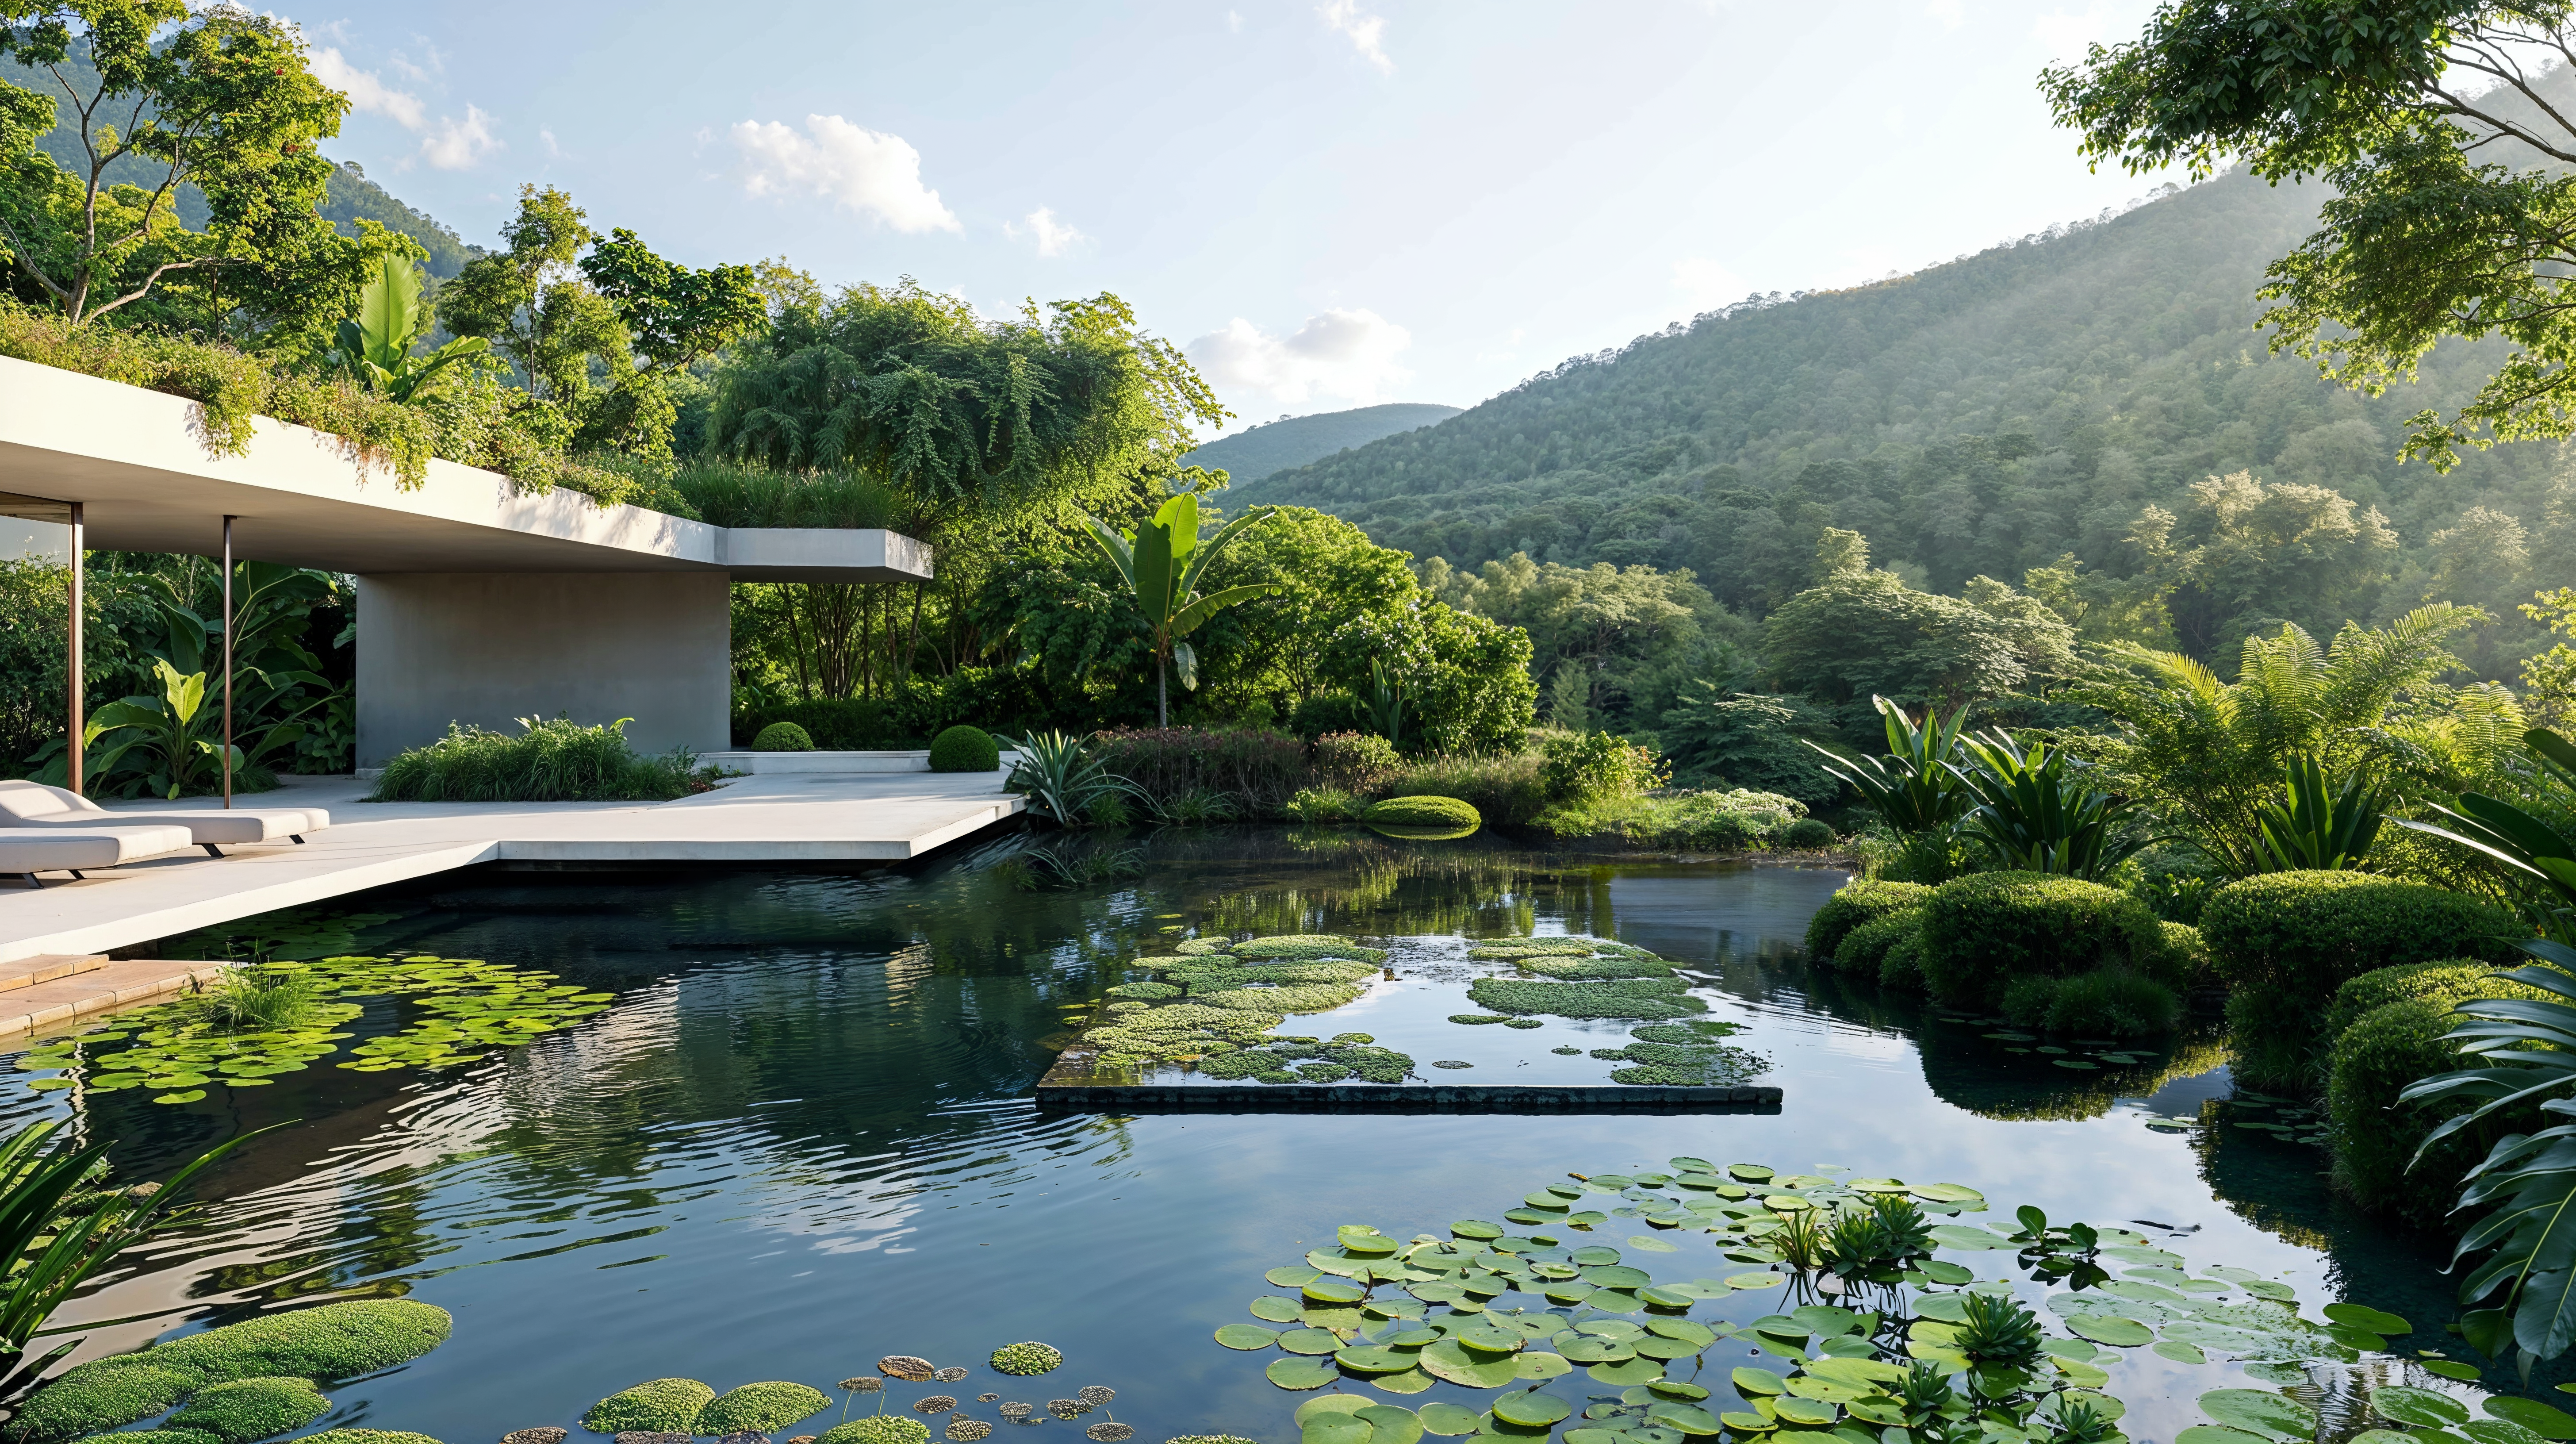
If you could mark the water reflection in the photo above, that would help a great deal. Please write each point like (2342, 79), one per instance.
(801, 1139)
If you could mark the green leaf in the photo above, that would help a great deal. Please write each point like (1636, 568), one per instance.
(2180, 1352)
(1389, 1424)
(1301, 1374)
(2362, 1316)
(2257, 1412)
(2533, 1415)
(1246, 1336)
(1751, 1381)
(2426, 1407)
(2120, 1333)
(1531, 1410)
(1448, 1419)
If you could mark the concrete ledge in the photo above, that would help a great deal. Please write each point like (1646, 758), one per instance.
(778, 763)
(1396, 1098)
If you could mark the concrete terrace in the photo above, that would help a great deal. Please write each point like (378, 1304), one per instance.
(787, 819)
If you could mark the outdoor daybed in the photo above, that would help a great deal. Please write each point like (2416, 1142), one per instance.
(35, 805)
(28, 851)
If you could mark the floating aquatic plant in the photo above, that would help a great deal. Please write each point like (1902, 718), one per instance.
(910, 1368)
(1110, 1431)
(1018, 1411)
(1607, 998)
(1095, 1394)
(933, 1404)
(1026, 1360)
(950, 1375)
(864, 1384)
(965, 1430)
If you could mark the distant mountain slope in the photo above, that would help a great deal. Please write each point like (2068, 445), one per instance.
(354, 196)
(1296, 440)
(1984, 416)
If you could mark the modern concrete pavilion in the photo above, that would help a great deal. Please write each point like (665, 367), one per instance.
(476, 603)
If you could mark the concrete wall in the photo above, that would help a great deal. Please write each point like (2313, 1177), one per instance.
(488, 648)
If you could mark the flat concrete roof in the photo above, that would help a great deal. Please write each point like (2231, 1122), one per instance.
(148, 483)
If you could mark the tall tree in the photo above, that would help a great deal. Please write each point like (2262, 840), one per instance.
(220, 99)
(2446, 140)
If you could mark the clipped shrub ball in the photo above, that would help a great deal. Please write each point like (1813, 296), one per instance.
(101, 1395)
(2284, 942)
(1854, 905)
(965, 749)
(1902, 964)
(1984, 932)
(761, 1408)
(659, 1406)
(1864, 949)
(783, 737)
(2449, 981)
(1807, 834)
(1424, 812)
(1026, 1360)
(877, 1429)
(334, 1341)
(2375, 1136)
(242, 1410)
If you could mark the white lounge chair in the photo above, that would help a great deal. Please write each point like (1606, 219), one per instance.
(35, 805)
(28, 851)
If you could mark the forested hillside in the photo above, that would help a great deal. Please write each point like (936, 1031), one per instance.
(1256, 452)
(1987, 416)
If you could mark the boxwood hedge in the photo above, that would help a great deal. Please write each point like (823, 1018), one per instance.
(2373, 1060)
(1854, 905)
(1984, 932)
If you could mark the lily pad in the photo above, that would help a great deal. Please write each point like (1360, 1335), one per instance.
(1336, 1428)
(1754, 1281)
(1390, 1425)
(2533, 1415)
(1476, 1228)
(1310, 1341)
(1290, 1276)
(2362, 1316)
(2120, 1333)
(1448, 1419)
(1372, 1359)
(2427, 1407)
(1633, 1371)
(2255, 1411)
(1246, 1336)
(1301, 1374)
(1537, 1364)
(1451, 1360)
(2180, 1352)
(1410, 1381)
(1276, 1309)
(1531, 1410)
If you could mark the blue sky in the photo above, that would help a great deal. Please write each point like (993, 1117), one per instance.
(1329, 202)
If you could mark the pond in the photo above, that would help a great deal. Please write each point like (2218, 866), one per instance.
(801, 1138)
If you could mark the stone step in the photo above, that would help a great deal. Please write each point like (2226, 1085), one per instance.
(28, 972)
(66, 998)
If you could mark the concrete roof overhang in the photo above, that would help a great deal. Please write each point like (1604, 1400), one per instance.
(148, 483)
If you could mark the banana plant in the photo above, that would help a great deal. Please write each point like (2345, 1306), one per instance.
(2525, 1052)
(2035, 813)
(1161, 562)
(2538, 861)
(375, 344)
(1913, 786)
(2317, 827)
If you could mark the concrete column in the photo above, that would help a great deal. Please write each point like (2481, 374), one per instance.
(488, 648)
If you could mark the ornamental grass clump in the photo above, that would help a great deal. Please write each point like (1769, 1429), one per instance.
(550, 761)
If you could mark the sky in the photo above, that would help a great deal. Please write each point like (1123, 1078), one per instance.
(1327, 204)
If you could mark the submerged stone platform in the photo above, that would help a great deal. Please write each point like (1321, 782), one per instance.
(1399, 1098)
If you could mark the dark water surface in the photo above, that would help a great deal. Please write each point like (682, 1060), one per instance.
(802, 1138)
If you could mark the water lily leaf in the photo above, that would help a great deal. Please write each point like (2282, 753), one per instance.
(2362, 1316)
(1447, 1419)
(1537, 1364)
(1246, 1336)
(1807, 1411)
(1489, 1335)
(1665, 1350)
(2533, 1415)
(1322, 1404)
(1668, 1298)
(2121, 1333)
(2452, 1369)
(1310, 1341)
(1960, 1235)
(1374, 1359)
(1942, 1271)
(1824, 1320)
(1290, 1276)
(1682, 1331)
(1450, 1360)
(1390, 1425)
(1738, 1420)
(2384, 1436)
(1301, 1374)
(1750, 1172)
(2352, 1338)
(1476, 1228)
(1545, 1201)
(1617, 1276)
(1410, 1381)
(2212, 1434)
(2180, 1352)
(1331, 1262)
(1336, 1429)
(2430, 1408)
(1531, 1410)
(1754, 1281)
(1950, 1193)
(2270, 1289)
(1633, 1371)
(1334, 1291)
(1593, 1256)
(190, 1096)
(1652, 1244)
(1276, 1309)
(2497, 1431)
(2258, 1412)
(1597, 1351)
(1682, 1389)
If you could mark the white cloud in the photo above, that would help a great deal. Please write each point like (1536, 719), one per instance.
(1349, 355)
(1367, 33)
(554, 147)
(1234, 21)
(458, 144)
(862, 170)
(1053, 236)
(2064, 36)
(1951, 13)
(368, 95)
(1706, 284)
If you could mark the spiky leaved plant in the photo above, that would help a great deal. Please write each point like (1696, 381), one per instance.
(1997, 1331)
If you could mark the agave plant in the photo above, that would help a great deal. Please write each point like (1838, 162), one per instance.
(2318, 827)
(2526, 1051)
(1062, 780)
(2035, 812)
(1914, 788)
(2538, 861)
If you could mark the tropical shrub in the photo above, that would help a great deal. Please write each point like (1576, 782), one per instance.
(2034, 809)
(1863, 951)
(2318, 825)
(1914, 788)
(965, 749)
(2114, 1001)
(783, 737)
(1692, 821)
(551, 761)
(2284, 942)
(1355, 761)
(2174, 881)
(1324, 804)
(1983, 933)
(2377, 1058)
(2448, 980)
(1580, 766)
(1424, 812)
(1854, 905)
(1254, 772)
(1808, 834)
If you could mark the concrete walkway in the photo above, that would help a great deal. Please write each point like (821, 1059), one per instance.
(787, 819)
